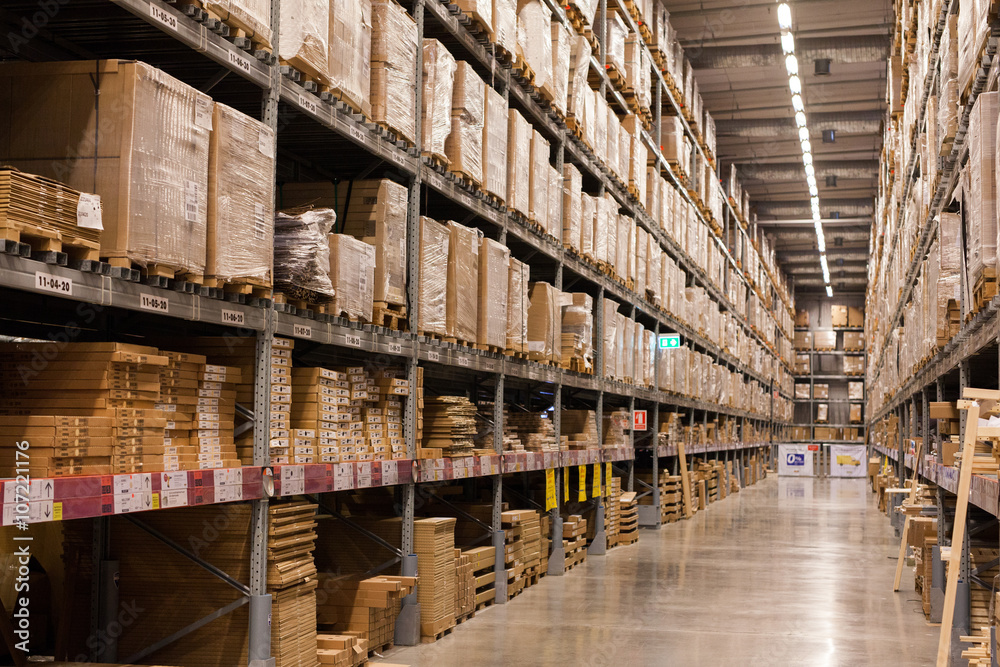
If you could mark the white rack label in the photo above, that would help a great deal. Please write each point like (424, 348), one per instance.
(397, 158)
(51, 283)
(308, 103)
(357, 133)
(433, 355)
(390, 474)
(233, 317)
(364, 474)
(302, 331)
(463, 361)
(173, 498)
(155, 303)
(163, 17)
(489, 365)
(395, 348)
(239, 61)
(352, 340)
(88, 212)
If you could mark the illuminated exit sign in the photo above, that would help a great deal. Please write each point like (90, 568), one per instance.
(670, 341)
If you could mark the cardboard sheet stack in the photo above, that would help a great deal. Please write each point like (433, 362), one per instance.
(533, 431)
(89, 410)
(465, 586)
(517, 309)
(579, 429)
(341, 650)
(291, 581)
(611, 511)
(449, 426)
(521, 547)
(628, 518)
(366, 608)
(393, 67)
(574, 539)
(434, 545)
(577, 342)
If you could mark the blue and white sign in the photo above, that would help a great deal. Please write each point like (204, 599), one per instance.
(795, 461)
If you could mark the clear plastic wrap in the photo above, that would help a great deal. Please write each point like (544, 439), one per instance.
(240, 198)
(578, 332)
(617, 31)
(494, 276)
(534, 41)
(667, 208)
(303, 37)
(433, 292)
(590, 123)
(481, 12)
(544, 323)
(973, 25)
(855, 391)
(505, 25)
(600, 144)
(251, 16)
(613, 143)
(588, 8)
(519, 170)
(350, 52)
(577, 86)
(637, 70)
(610, 338)
(949, 283)
(652, 199)
(376, 214)
(624, 152)
(495, 145)
(621, 254)
(302, 253)
(982, 225)
(517, 306)
(463, 274)
(554, 217)
(394, 65)
(438, 85)
(538, 197)
(673, 141)
(602, 230)
(572, 193)
(352, 274)
(639, 274)
(562, 38)
(588, 215)
(464, 146)
(653, 267)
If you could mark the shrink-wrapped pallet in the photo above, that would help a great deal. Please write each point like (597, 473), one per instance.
(350, 52)
(577, 333)
(666, 207)
(973, 26)
(153, 136)
(554, 217)
(495, 145)
(505, 25)
(519, 134)
(652, 200)
(571, 195)
(601, 231)
(302, 253)
(438, 85)
(517, 307)
(562, 39)
(673, 142)
(534, 43)
(949, 278)
(620, 256)
(639, 273)
(352, 274)
(576, 86)
(494, 277)
(464, 146)
(612, 141)
(538, 193)
(251, 16)
(610, 338)
(463, 275)
(544, 323)
(433, 292)
(303, 37)
(638, 156)
(590, 129)
(394, 65)
(617, 31)
(240, 198)
(588, 213)
(653, 267)
(481, 13)
(600, 144)
(637, 70)
(983, 187)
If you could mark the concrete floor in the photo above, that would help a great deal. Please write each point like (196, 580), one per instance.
(788, 572)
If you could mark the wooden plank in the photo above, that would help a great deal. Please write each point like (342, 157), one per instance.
(958, 533)
(685, 481)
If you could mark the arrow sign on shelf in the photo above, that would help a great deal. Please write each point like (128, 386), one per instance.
(670, 341)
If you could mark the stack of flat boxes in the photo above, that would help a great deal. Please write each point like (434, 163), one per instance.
(574, 539)
(483, 559)
(514, 524)
(465, 585)
(318, 396)
(611, 512)
(177, 399)
(532, 547)
(215, 416)
(384, 417)
(434, 545)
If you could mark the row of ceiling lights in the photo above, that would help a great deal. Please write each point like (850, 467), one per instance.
(795, 85)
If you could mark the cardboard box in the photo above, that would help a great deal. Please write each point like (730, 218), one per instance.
(802, 390)
(352, 274)
(856, 391)
(821, 391)
(438, 82)
(464, 145)
(303, 38)
(544, 323)
(433, 290)
(825, 340)
(949, 451)
(394, 64)
(462, 315)
(350, 53)
(855, 413)
(494, 277)
(519, 135)
(803, 340)
(855, 316)
(150, 123)
(838, 316)
(943, 410)
(854, 340)
(538, 177)
(517, 306)
(495, 145)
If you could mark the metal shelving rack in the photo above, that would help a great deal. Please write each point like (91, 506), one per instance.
(255, 82)
(812, 378)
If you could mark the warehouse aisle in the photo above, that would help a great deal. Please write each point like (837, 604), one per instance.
(790, 571)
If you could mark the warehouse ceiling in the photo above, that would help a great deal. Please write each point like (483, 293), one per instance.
(735, 50)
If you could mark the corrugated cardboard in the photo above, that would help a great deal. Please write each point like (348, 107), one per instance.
(463, 277)
(494, 277)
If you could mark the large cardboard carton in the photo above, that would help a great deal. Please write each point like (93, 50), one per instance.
(394, 64)
(517, 307)
(463, 277)
(350, 52)
(464, 146)
(544, 323)
(433, 291)
(495, 145)
(494, 277)
(352, 273)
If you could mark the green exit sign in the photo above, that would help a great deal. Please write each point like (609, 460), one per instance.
(670, 341)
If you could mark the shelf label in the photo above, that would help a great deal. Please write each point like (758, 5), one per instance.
(581, 487)
(162, 16)
(154, 303)
(302, 331)
(308, 102)
(550, 490)
(51, 283)
(233, 317)
(356, 132)
(390, 473)
(395, 348)
(353, 340)
(397, 158)
(490, 366)
(433, 355)
(239, 61)
(463, 361)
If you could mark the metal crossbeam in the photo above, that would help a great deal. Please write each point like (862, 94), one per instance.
(183, 632)
(364, 531)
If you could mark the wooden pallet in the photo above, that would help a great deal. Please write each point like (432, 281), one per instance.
(159, 275)
(225, 24)
(489, 348)
(985, 289)
(521, 71)
(465, 617)
(515, 354)
(430, 639)
(438, 163)
(48, 245)
(458, 341)
(251, 287)
(388, 315)
(377, 651)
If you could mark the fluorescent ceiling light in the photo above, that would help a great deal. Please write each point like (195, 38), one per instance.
(807, 158)
(791, 64)
(787, 43)
(784, 16)
(800, 119)
(803, 133)
(810, 171)
(807, 146)
(829, 291)
(794, 84)
(797, 102)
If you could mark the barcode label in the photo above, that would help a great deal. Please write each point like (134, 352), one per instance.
(191, 192)
(203, 113)
(259, 223)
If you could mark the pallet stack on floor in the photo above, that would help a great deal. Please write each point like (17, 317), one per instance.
(628, 518)
(574, 540)
(291, 581)
(341, 650)
(483, 560)
(434, 545)
(365, 608)
(522, 544)
(611, 512)
(465, 587)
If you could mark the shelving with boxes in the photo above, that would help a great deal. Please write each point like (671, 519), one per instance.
(349, 306)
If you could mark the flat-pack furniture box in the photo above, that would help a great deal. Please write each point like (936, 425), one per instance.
(350, 53)
(394, 64)
(517, 307)
(438, 84)
(352, 274)
(464, 146)
(152, 140)
(494, 277)
(463, 278)
(304, 37)
(433, 292)
(544, 323)
(240, 235)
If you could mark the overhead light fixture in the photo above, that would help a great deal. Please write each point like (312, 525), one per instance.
(787, 43)
(803, 133)
(807, 146)
(813, 190)
(800, 119)
(792, 64)
(784, 16)
(829, 291)
(807, 158)
(794, 84)
(797, 102)
(810, 171)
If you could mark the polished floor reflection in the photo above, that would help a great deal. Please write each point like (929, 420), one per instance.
(788, 572)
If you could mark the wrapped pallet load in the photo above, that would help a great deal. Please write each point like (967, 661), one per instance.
(153, 133)
(637, 70)
(438, 85)
(302, 253)
(433, 292)
(538, 192)
(949, 279)
(505, 27)
(464, 146)
(554, 217)
(612, 141)
(240, 200)
(494, 278)
(303, 41)
(610, 341)
(638, 157)
(495, 145)
(588, 212)
(577, 343)
(352, 274)
(544, 324)
(562, 38)
(982, 226)
(600, 139)
(618, 33)
(534, 44)
(580, 54)
(350, 53)
(517, 308)
(481, 13)
(571, 202)
(253, 17)
(463, 275)
(394, 63)
(518, 171)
